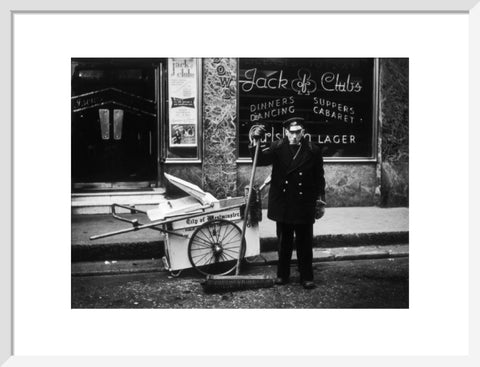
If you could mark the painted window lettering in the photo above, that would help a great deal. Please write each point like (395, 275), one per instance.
(333, 110)
(335, 83)
(272, 109)
(272, 81)
(304, 85)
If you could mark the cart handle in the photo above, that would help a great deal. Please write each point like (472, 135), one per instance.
(133, 222)
(154, 225)
(137, 228)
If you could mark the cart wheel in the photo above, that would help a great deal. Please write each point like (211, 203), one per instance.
(215, 246)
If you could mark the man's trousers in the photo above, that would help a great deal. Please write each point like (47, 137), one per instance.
(303, 242)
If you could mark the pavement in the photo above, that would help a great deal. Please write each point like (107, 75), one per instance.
(343, 233)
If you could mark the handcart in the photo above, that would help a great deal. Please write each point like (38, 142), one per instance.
(199, 231)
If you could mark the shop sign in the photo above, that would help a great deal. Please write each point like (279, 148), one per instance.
(336, 97)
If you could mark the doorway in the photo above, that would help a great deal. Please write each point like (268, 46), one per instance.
(115, 124)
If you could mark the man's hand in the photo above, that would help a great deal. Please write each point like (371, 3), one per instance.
(319, 209)
(258, 132)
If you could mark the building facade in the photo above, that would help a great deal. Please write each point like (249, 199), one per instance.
(135, 119)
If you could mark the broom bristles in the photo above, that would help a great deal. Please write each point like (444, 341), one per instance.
(219, 284)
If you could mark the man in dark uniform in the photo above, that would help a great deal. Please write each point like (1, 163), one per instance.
(296, 197)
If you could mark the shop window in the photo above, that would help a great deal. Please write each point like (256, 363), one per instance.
(337, 98)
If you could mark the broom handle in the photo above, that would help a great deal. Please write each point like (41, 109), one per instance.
(247, 206)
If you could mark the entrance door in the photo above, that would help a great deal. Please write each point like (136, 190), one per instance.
(114, 124)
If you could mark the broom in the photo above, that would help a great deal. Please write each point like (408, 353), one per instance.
(228, 283)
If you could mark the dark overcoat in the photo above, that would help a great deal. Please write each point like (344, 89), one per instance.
(296, 183)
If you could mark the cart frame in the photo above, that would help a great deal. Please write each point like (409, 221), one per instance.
(218, 252)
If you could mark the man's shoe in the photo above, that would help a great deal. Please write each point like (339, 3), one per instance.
(281, 281)
(308, 284)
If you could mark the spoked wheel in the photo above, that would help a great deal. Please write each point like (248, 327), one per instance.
(215, 246)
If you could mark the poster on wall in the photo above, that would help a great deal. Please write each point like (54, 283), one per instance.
(183, 104)
(336, 97)
(183, 135)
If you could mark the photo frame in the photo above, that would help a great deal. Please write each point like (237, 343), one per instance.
(8, 253)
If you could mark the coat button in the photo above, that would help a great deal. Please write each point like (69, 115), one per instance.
(300, 173)
(286, 182)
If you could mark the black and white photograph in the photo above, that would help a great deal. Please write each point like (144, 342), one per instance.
(286, 183)
(293, 194)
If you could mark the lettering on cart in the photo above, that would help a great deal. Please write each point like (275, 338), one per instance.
(193, 221)
(198, 221)
(230, 215)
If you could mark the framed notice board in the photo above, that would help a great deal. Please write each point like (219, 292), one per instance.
(336, 97)
(183, 134)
